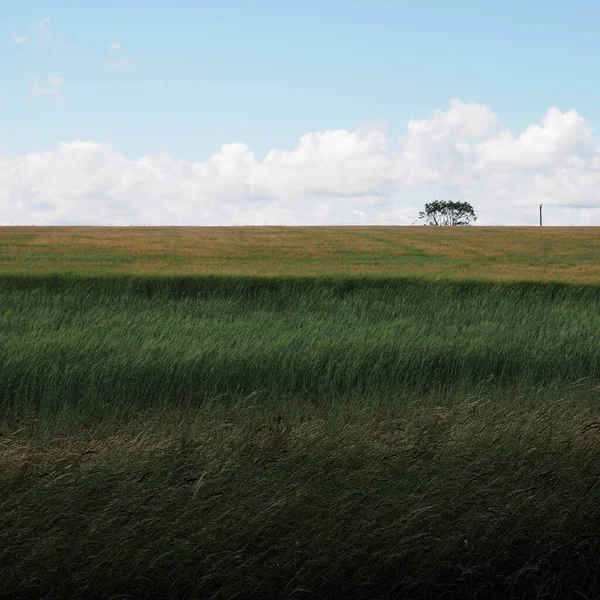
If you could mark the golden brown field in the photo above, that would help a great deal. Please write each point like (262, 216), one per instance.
(499, 253)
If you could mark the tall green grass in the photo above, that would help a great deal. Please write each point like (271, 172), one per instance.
(298, 438)
(105, 348)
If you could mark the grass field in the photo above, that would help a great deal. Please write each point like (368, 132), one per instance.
(567, 254)
(412, 416)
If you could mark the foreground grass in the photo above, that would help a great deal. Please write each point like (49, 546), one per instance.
(480, 500)
(568, 254)
(298, 438)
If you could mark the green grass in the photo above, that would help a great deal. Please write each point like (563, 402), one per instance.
(71, 348)
(239, 437)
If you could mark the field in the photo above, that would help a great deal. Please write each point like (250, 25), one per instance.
(299, 413)
(567, 254)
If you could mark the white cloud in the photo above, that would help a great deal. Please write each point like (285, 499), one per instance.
(55, 79)
(18, 39)
(540, 146)
(39, 90)
(337, 176)
(42, 37)
(119, 62)
(41, 31)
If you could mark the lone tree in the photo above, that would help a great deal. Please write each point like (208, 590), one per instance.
(448, 213)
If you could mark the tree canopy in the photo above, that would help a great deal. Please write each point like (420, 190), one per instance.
(448, 213)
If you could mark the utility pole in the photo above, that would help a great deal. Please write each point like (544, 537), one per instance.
(541, 214)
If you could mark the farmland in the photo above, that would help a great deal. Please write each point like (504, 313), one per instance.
(503, 254)
(299, 412)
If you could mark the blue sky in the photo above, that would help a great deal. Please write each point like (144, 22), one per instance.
(184, 78)
(266, 72)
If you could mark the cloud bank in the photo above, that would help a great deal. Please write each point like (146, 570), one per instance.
(331, 177)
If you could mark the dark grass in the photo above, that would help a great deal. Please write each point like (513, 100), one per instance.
(481, 500)
(213, 437)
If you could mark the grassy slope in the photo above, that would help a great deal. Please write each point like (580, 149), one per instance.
(510, 253)
(362, 438)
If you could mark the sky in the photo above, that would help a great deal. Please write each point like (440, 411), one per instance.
(298, 113)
